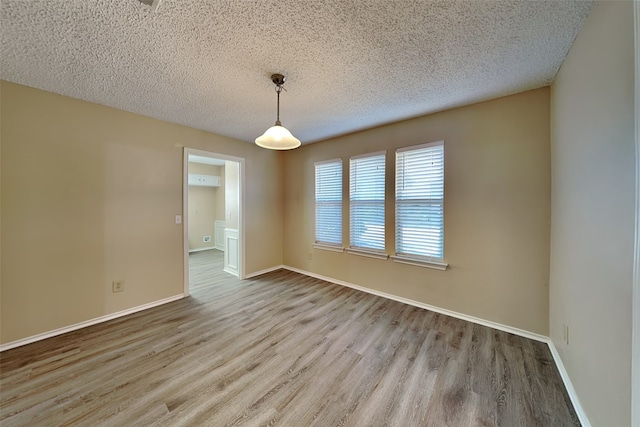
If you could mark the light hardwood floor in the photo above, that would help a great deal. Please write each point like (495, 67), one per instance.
(282, 349)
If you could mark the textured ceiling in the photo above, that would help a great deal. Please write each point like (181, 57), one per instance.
(350, 64)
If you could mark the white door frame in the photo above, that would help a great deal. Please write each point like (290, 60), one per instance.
(185, 209)
(635, 327)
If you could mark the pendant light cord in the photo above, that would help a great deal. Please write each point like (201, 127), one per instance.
(278, 90)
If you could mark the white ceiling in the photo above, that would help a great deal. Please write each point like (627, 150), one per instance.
(350, 64)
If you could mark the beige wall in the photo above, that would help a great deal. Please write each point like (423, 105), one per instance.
(89, 195)
(220, 198)
(497, 211)
(593, 175)
(232, 194)
(203, 207)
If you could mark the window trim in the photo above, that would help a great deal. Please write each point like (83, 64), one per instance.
(360, 250)
(414, 259)
(318, 244)
(419, 146)
(364, 156)
(370, 253)
(428, 262)
(328, 247)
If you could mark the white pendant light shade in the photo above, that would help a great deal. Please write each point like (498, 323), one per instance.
(278, 138)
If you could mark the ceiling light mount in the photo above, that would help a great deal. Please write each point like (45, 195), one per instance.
(277, 137)
(278, 80)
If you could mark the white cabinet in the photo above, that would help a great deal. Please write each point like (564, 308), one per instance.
(219, 230)
(231, 251)
(204, 180)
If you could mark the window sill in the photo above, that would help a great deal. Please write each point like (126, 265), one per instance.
(420, 262)
(331, 248)
(370, 254)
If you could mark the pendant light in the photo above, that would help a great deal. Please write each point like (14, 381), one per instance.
(277, 137)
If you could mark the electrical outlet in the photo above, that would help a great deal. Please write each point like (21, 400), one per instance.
(117, 286)
(206, 239)
(565, 334)
(310, 256)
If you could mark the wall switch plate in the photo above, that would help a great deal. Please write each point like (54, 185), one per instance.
(206, 239)
(117, 286)
(178, 219)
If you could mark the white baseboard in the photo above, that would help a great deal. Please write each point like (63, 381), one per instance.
(231, 271)
(265, 271)
(208, 248)
(577, 406)
(568, 385)
(472, 319)
(64, 330)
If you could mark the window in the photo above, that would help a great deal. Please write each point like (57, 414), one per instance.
(329, 202)
(419, 203)
(366, 197)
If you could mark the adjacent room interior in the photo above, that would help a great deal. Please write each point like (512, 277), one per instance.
(212, 217)
(159, 268)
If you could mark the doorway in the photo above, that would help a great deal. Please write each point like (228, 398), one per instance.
(213, 188)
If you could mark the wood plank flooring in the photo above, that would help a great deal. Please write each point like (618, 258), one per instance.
(282, 349)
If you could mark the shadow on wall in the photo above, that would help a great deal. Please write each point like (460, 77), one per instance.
(206, 206)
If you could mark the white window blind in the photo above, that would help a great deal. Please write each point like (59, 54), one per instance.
(366, 197)
(419, 201)
(329, 202)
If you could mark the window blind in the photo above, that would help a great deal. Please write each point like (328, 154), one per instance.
(366, 202)
(329, 202)
(419, 201)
